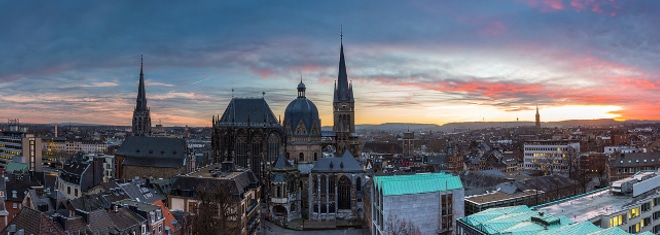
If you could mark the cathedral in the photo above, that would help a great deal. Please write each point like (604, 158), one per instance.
(288, 155)
(141, 117)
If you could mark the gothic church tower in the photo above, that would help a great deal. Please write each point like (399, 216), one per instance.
(141, 117)
(344, 109)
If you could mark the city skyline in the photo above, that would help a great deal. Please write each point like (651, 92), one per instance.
(416, 62)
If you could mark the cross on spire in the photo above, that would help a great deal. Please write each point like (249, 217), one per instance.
(341, 33)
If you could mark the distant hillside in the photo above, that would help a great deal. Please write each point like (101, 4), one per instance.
(452, 127)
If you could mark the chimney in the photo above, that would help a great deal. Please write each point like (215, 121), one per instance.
(115, 208)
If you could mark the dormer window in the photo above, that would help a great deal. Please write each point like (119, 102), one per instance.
(13, 194)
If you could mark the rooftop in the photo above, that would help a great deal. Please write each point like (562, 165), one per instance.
(417, 183)
(587, 206)
(522, 220)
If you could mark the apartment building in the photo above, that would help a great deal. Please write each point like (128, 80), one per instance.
(631, 204)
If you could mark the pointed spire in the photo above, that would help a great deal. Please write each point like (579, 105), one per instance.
(342, 92)
(142, 96)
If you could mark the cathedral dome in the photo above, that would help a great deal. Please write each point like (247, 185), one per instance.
(301, 117)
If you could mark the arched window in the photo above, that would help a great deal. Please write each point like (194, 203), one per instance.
(315, 158)
(358, 184)
(301, 157)
(344, 193)
(273, 147)
(323, 183)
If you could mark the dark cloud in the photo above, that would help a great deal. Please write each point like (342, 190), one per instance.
(509, 55)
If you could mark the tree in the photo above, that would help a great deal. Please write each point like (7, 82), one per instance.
(217, 209)
(396, 226)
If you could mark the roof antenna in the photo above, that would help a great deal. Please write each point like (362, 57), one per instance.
(263, 94)
(232, 93)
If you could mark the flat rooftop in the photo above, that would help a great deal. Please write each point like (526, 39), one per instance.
(213, 171)
(499, 196)
(588, 206)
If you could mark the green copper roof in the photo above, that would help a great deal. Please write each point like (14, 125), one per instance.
(417, 183)
(520, 220)
(16, 166)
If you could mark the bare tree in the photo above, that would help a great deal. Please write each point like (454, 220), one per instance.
(217, 210)
(396, 226)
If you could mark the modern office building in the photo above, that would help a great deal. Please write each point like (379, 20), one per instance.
(20, 147)
(431, 202)
(631, 204)
(521, 220)
(550, 156)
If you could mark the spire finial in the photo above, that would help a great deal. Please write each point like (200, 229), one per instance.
(341, 33)
(301, 78)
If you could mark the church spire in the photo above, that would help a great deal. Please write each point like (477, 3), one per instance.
(141, 115)
(538, 117)
(342, 92)
(142, 96)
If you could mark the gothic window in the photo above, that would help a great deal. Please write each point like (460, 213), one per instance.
(333, 179)
(344, 193)
(315, 157)
(273, 147)
(315, 182)
(323, 183)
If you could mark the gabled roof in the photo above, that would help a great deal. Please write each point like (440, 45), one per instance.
(252, 111)
(153, 151)
(153, 147)
(125, 219)
(345, 163)
(34, 222)
(394, 185)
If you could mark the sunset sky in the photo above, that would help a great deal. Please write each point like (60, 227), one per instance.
(409, 61)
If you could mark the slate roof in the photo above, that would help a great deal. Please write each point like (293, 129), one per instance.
(125, 219)
(302, 110)
(34, 222)
(99, 220)
(22, 183)
(281, 164)
(237, 184)
(139, 191)
(345, 163)
(240, 110)
(154, 151)
(636, 160)
(394, 185)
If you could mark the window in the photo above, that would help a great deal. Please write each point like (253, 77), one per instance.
(646, 206)
(646, 222)
(634, 212)
(15, 205)
(656, 201)
(344, 193)
(76, 190)
(68, 190)
(192, 207)
(616, 221)
(633, 228)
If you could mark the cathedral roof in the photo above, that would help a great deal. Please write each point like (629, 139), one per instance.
(302, 110)
(345, 163)
(248, 111)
